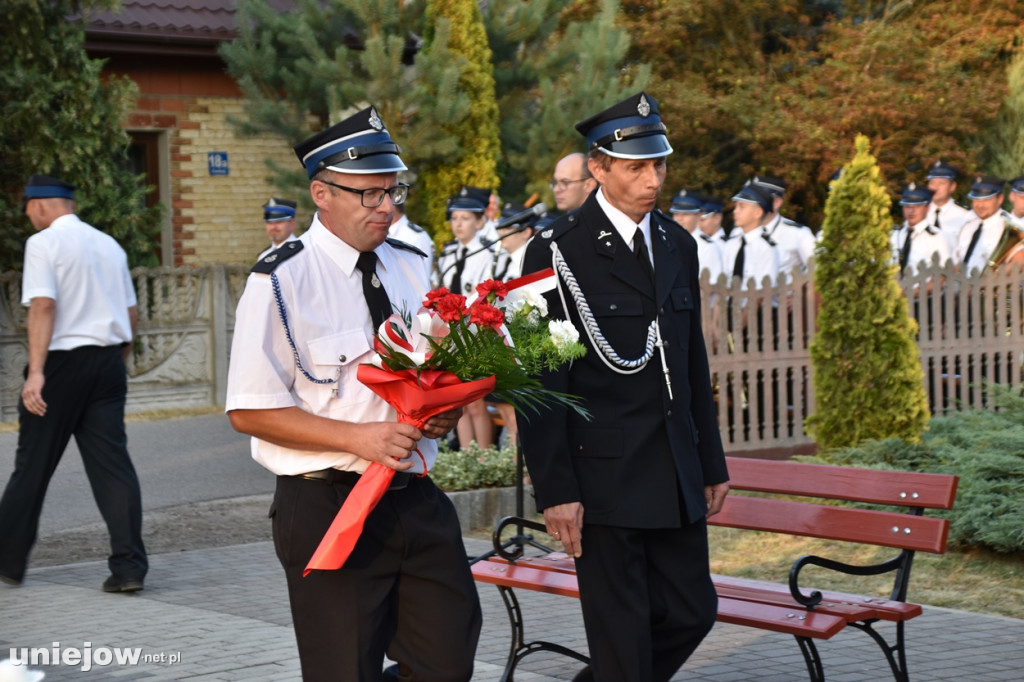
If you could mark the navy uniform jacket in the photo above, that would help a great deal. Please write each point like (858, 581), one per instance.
(641, 461)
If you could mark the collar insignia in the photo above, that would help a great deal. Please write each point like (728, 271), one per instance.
(375, 121)
(604, 233)
(643, 108)
(546, 234)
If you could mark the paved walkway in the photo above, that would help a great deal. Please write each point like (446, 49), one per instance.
(222, 614)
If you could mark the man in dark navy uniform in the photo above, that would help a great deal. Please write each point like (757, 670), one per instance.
(627, 492)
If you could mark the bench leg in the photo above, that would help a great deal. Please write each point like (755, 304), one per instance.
(811, 657)
(895, 654)
(520, 649)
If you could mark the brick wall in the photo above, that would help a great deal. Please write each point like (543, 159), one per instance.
(214, 219)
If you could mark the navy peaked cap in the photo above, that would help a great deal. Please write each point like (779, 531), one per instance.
(631, 129)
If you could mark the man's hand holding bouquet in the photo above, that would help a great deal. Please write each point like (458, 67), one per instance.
(445, 356)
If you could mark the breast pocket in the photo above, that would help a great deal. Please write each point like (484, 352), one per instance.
(616, 305)
(333, 358)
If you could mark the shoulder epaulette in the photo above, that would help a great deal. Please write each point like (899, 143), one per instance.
(266, 265)
(415, 228)
(405, 246)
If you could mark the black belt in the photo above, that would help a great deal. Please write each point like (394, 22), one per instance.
(332, 476)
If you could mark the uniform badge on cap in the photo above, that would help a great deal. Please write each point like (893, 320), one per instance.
(643, 107)
(375, 121)
(912, 186)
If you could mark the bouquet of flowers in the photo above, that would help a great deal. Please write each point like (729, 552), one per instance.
(447, 355)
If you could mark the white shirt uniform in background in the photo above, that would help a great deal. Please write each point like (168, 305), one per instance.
(479, 265)
(991, 231)
(709, 255)
(322, 293)
(407, 232)
(794, 242)
(924, 244)
(86, 272)
(952, 217)
(760, 259)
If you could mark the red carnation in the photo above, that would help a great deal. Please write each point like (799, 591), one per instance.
(451, 307)
(485, 288)
(486, 315)
(433, 296)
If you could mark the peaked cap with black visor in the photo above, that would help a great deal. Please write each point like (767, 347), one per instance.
(630, 129)
(359, 145)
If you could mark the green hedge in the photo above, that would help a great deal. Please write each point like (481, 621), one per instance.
(473, 467)
(985, 449)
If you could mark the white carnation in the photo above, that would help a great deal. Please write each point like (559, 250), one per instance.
(526, 302)
(563, 333)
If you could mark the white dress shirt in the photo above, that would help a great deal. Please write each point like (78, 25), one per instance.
(404, 231)
(952, 217)
(760, 259)
(479, 265)
(86, 272)
(924, 245)
(322, 294)
(794, 242)
(991, 231)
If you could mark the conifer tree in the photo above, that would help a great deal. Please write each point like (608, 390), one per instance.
(868, 379)
(60, 118)
(303, 71)
(582, 72)
(1005, 147)
(475, 161)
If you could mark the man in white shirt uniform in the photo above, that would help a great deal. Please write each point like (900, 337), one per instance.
(406, 231)
(686, 211)
(981, 235)
(917, 241)
(305, 323)
(943, 212)
(748, 254)
(794, 241)
(81, 322)
(279, 221)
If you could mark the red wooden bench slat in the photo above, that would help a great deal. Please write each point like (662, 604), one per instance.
(552, 582)
(758, 590)
(909, 489)
(779, 619)
(888, 529)
(772, 617)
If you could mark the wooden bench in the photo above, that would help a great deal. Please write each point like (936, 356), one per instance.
(809, 615)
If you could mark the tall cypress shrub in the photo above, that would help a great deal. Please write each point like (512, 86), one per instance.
(476, 160)
(868, 379)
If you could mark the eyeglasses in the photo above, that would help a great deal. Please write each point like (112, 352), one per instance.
(563, 184)
(374, 196)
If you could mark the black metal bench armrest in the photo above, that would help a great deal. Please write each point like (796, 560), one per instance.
(899, 563)
(512, 549)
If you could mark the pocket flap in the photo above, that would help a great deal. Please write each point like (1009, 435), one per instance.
(682, 299)
(338, 349)
(615, 305)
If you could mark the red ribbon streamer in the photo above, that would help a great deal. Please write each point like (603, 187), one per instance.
(416, 396)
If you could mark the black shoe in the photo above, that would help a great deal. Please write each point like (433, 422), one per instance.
(115, 584)
(10, 580)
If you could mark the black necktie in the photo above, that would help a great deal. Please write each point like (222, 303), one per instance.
(460, 265)
(937, 226)
(737, 266)
(373, 289)
(970, 247)
(640, 251)
(905, 251)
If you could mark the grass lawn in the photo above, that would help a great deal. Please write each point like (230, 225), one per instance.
(971, 580)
